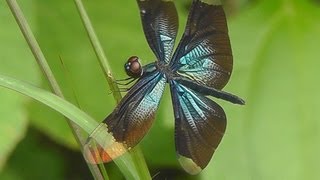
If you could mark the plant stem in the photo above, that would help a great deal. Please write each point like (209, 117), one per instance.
(98, 50)
(140, 163)
(137, 155)
(36, 51)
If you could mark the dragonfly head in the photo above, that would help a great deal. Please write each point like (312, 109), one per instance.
(133, 67)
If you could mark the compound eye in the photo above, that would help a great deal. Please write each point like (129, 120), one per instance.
(133, 67)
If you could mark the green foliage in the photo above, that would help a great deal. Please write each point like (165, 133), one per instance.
(275, 47)
(35, 159)
(13, 114)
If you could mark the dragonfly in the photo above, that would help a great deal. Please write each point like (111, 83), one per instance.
(200, 67)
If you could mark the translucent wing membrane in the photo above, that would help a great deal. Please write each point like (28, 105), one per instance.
(160, 24)
(204, 52)
(199, 127)
(130, 120)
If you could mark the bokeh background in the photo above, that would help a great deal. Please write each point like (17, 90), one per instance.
(276, 70)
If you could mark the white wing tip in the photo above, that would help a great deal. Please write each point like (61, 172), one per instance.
(189, 165)
(211, 2)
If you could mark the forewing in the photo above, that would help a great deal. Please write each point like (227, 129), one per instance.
(160, 24)
(204, 52)
(200, 124)
(130, 120)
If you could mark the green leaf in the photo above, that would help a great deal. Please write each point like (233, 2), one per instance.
(276, 135)
(12, 126)
(35, 158)
(13, 114)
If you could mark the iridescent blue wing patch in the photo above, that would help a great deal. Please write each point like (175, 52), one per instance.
(131, 119)
(160, 24)
(204, 52)
(200, 124)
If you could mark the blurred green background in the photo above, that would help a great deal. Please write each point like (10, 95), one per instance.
(276, 69)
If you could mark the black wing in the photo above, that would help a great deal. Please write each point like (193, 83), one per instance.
(204, 52)
(130, 120)
(200, 124)
(160, 24)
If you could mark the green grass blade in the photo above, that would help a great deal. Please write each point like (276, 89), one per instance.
(83, 120)
(62, 106)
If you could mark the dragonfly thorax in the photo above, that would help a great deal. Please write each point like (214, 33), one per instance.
(165, 69)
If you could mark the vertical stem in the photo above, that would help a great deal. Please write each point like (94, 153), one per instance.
(140, 163)
(36, 51)
(98, 50)
(137, 155)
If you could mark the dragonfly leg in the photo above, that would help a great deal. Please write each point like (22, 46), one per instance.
(129, 81)
(120, 90)
(209, 90)
(125, 79)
